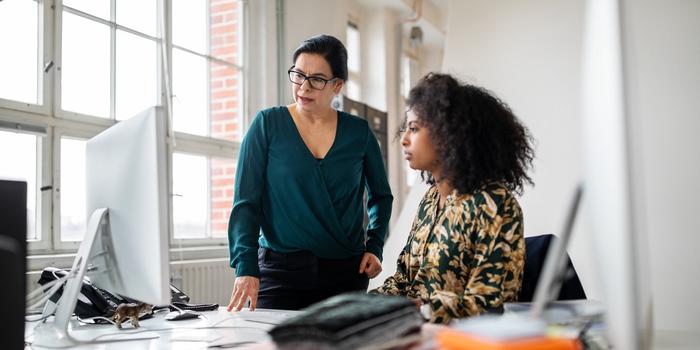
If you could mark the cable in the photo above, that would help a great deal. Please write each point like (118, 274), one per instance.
(41, 318)
(53, 288)
(50, 293)
(48, 285)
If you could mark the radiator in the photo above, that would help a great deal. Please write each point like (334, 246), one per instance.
(205, 281)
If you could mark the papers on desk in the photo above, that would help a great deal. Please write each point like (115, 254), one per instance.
(563, 311)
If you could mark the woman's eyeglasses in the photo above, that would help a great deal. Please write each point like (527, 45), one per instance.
(299, 78)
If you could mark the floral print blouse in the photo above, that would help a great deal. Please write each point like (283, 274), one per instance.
(463, 259)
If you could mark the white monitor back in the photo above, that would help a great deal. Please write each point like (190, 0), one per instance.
(126, 173)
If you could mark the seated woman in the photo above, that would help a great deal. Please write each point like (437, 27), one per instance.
(466, 250)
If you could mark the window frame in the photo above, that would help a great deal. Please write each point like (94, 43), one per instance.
(356, 76)
(196, 145)
(47, 113)
(58, 134)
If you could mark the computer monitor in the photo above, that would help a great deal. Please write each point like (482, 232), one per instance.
(555, 267)
(13, 250)
(125, 248)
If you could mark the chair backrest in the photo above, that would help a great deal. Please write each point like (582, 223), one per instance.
(536, 248)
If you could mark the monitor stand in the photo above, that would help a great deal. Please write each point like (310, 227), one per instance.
(56, 333)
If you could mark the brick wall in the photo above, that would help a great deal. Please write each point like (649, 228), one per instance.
(225, 90)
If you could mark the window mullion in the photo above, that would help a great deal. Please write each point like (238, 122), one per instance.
(165, 60)
(208, 226)
(57, 76)
(45, 193)
(113, 60)
(46, 56)
(209, 67)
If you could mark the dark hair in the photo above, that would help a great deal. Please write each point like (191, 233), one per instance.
(331, 49)
(477, 137)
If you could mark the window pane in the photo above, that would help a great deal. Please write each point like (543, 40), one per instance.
(72, 190)
(136, 74)
(190, 90)
(190, 188)
(225, 104)
(223, 171)
(85, 73)
(139, 15)
(18, 161)
(19, 58)
(353, 46)
(225, 30)
(99, 8)
(353, 90)
(190, 24)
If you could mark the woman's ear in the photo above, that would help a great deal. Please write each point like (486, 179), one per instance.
(338, 86)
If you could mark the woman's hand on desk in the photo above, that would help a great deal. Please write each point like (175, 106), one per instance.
(370, 265)
(244, 288)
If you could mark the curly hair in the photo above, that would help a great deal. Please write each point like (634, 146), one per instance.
(477, 137)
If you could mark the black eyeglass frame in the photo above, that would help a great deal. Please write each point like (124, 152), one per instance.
(306, 77)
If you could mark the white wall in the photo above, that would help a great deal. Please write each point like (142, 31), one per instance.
(529, 54)
(306, 18)
(663, 87)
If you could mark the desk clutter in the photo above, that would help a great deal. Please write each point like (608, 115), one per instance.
(99, 306)
(351, 321)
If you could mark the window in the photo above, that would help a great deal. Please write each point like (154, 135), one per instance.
(72, 190)
(353, 89)
(85, 77)
(92, 63)
(19, 65)
(409, 78)
(206, 68)
(18, 161)
(190, 196)
(202, 195)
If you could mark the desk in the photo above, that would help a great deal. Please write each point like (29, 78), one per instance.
(244, 327)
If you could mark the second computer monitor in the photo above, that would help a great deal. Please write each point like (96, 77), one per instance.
(126, 172)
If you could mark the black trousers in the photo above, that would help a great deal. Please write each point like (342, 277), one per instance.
(293, 281)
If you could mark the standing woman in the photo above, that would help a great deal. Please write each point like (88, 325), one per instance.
(296, 232)
(466, 250)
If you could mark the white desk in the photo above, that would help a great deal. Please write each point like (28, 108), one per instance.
(218, 328)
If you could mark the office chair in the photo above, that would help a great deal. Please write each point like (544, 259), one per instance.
(536, 248)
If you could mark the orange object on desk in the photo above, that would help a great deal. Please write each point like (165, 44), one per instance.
(455, 340)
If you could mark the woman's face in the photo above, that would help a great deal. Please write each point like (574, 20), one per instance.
(417, 144)
(307, 97)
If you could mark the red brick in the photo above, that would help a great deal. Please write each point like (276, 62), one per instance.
(216, 19)
(222, 7)
(220, 205)
(222, 29)
(219, 117)
(222, 182)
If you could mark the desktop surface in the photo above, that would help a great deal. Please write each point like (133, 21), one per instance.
(216, 329)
